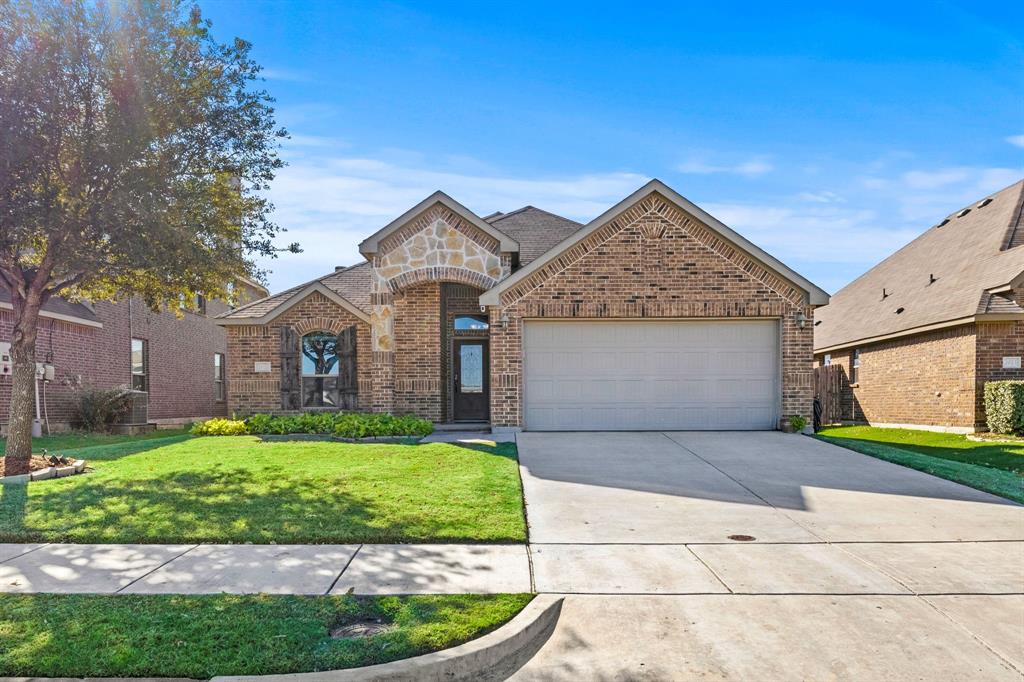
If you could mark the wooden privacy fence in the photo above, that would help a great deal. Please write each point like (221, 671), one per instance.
(828, 386)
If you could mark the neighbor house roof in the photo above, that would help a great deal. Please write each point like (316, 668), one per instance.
(535, 230)
(816, 295)
(347, 286)
(959, 270)
(59, 309)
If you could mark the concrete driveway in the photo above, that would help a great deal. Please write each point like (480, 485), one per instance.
(847, 567)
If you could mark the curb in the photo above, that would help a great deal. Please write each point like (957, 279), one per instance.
(492, 656)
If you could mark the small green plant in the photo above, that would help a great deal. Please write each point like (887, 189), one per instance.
(97, 408)
(1004, 406)
(219, 427)
(797, 423)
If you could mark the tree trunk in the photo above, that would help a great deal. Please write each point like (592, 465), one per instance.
(23, 379)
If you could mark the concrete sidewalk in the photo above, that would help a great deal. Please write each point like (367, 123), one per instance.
(274, 569)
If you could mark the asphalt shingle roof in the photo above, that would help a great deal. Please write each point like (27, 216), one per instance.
(968, 254)
(536, 231)
(351, 283)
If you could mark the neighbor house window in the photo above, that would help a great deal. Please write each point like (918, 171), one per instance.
(826, 361)
(140, 364)
(200, 304)
(855, 367)
(218, 376)
(320, 370)
(465, 323)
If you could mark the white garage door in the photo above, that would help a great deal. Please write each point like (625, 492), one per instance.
(651, 375)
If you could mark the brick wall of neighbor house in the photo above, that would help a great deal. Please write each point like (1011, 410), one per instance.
(925, 379)
(996, 340)
(418, 351)
(251, 392)
(180, 359)
(652, 261)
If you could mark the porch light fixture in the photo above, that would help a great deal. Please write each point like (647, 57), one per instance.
(801, 319)
(504, 321)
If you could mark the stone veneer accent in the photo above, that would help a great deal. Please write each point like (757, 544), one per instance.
(651, 261)
(436, 246)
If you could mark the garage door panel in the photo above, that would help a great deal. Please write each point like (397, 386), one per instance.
(650, 375)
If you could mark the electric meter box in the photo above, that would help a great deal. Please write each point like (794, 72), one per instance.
(5, 359)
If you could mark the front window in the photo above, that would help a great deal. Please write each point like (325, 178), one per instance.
(140, 364)
(320, 370)
(465, 323)
(827, 360)
(218, 375)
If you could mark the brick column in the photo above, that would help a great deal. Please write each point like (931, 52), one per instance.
(382, 362)
(506, 369)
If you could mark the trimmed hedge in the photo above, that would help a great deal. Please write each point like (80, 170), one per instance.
(340, 424)
(1004, 406)
(219, 427)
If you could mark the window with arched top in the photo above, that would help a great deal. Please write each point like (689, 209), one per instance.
(468, 323)
(320, 370)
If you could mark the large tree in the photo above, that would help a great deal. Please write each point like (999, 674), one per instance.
(134, 154)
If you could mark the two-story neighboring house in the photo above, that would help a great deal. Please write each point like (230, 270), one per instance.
(180, 361)
(919, 334)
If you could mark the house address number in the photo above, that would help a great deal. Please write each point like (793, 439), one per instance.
(1011, 362)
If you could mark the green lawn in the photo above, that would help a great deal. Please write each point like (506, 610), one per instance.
(61, 442)
(201, 636)
(994, 467)
(241, 489)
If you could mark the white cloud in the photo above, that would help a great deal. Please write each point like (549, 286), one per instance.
(822, 197)
(1016, 140)
(751, 167)
(286, 75)
(330, 203)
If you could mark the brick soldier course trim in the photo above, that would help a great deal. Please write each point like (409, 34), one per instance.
(655, 256)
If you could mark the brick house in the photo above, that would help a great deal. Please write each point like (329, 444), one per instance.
(918, 335)
(653, 315)
(180, 362)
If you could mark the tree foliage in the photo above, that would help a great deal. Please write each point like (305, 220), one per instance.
(134, 154)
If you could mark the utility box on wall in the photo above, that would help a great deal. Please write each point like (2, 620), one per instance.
(5, 359)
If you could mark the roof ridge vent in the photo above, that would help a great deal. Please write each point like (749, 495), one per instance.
(944, 221)
(984, 202)
(964, 212)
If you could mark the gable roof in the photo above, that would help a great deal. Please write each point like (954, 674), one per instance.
(537, 231)
(971, 254)
(58, 308)
(816, 295)
(369, 245)
(348, 287)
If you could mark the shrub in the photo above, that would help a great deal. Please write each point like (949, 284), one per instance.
(798, 422)
(340, 424)
(97, 408)
(1004, 406)
(219, 427)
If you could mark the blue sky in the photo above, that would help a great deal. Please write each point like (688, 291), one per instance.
(829, 133)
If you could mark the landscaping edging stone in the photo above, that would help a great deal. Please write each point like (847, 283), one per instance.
(76, 467)
(491, 657)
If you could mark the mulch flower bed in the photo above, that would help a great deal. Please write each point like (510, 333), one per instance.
(39, 463)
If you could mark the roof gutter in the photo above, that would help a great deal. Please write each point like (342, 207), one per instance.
(958, 322)
(59, 316)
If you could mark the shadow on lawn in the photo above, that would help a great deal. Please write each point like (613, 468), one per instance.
(228, 505)
(1007, 457)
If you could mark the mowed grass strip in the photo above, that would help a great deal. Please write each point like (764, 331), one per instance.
(994, 467)
(201, 636)
(241, 489)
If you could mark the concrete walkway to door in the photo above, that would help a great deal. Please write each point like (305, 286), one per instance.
(766, 556)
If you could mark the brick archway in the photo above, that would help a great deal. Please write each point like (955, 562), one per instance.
(455, 275)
